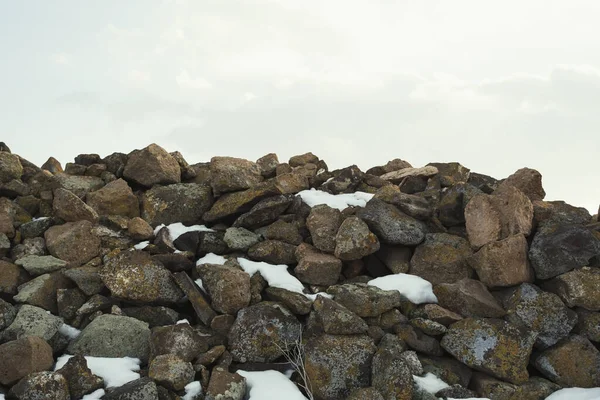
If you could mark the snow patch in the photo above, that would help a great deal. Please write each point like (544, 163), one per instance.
(177, 229)
(69, 331)
(114, 371)
(414, 288)
(182, 321)
(341, 201)
(430, 383)
(192, 390)
(200, 284)
(141, 245)
(270, 385)
(95, 395)
(211, 258)
(575, 393)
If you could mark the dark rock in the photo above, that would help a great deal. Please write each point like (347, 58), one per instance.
(153, 316)
(171, 371)
(68, 301)
(139, 389)
(231, 174)
(354, 240)
(199, 303)
(225, 386)
(228, 287)
(558, 212)
(22, 357)
(41, 386)
(390, 375)
(395, 258)
(7, 315)
(323, 224)
(116, 198)
(180, 340)
(267, 165)
(469, 298)
(273, 252)
(10, 167)
(418, 340)
(297, 303)
(447, 369)
(79, 377)
(73, 242)
(441, 258)
(35, 228)
(485, 183)
(578, 288)
(588, 324)
(412, 205)
(451, 173)
(364, 300)
(316, 268)
(87, 278)
(391, 225)
(239, 202)
(41, 291)
(264, 212)
(182, 202)
(345, 181)
(337, 319)
(283, 231)
(152, 165)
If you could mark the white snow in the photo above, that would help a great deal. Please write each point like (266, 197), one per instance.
(192, 390)
(342, 201)
(1, 396)
(575, 393)
(270, 385)
(430, 383)
(182, 321)
(177, 229)
(414, 288)
(141, 245)
(211, 258)
(276, 276)
(114, 371)
(69, 331)
(200, 284)
(96, 395)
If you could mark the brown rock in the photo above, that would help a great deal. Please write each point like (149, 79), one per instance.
(267, 165)
(52, 165)
(71, 208)
(273, 252)
(228, 287)
(413, 205)
(38, 385)
(441, 258)
(11, 277)
(302, 159)
(171, 371)
(337, 319)
(41, 291)
(323, 223)
(577, 288)
(503, 263)
(73, 242)
(199, 303)
(10, 167)
(225, 386)
(231, 174)
(152, 165)
(297, 303)
(469, 298)
(239, 202)
(354, 240)
(316, 268)
(283, 231)
(399, 175)
(116, 198)
(291, 183)
(79, 377)
(365, 300)
(22, 357)
(437, 314)
(528, 181)
(139, 229)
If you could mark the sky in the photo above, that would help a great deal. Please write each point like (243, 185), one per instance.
(496, 86)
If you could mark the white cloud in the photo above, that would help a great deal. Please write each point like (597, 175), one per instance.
(184, 80)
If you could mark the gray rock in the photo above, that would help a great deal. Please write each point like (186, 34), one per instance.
(113, 336)
(442, 258)
(228, 287)
(41, 386)
(35, 228)
(140, 389)
(390, 375)
(171, 371)
(10, 167)
(41, 291)
(229, 174)
(412, 205)
(365, 300)
(578, 288)
(391, 225)
(181, 202)
(7, 315)
(323, 223)
(264, 212)
(337, 319)
(240, 238)
(78, 185)
(38, 265)
(354, 240)
(32, 321)
(87, 278)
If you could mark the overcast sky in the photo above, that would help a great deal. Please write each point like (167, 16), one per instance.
(495, 85)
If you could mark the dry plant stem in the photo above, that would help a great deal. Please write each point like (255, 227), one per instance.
(294, 354)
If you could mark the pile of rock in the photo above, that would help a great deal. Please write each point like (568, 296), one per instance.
(516, 279)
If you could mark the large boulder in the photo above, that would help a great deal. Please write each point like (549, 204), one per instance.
(336, 365)
(315, 267)
(354, 240)
(503, 263)
(73, 242)
(441, 258)
(559, 248)
(10, 167)
(113, 336)
(229, 174)
(528, 181)
(116, 198)
(262, 331)
(469, 298)
(544, 313)
(71, 208)
(491, 346)
(235, 203)
(152, 165)
(22, 357)
(573, 362)
(578, 288)
(228, 287)
(365, 300)
(182, 202)
(391, 225)
(136, 276)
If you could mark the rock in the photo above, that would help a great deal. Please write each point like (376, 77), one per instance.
(557, 249)
(455, 392)
(336, 365)
(228, 287)
(116, 198)
(316, 268)
(365, 300)
(273, 252)
(412, 205)
(41, 386)
(226, 386)
(323, 223)
(87, 278)
(485, 385)
(7, 315)
(79, 377)
(344, 181)
(80, 186)
(451, 173)
(428, 326)
(291, 183)
(71, 208)
(35, 228)
(153, 316)
(354, 240)
(113, 336)
(10, 167)
(494, 217)
(264, 212)
(41, 291)
(588, 324)
(261, 332)
(578, 288)
(451, 208)
(38, 265)
(503, 263)
(395, 258)
(441, 258)
(240, 238)
(283, 231)
(391, 225)
(485, 183)
(368, 393)
(399, 175)
(543, 313)
(535, 388)
(31, 246)
(180, 340)
(337, 319)
(75, 169)
(203, 310)
(139, 389)
(231, 174)
(528, 181)
(573, 362)
(436, 313)
(491, 346)
(135, 276)
(52, 165)
(152, 165)
(447, 369)
(558, 212)
(469, 298)
(22, 357)
(418, 340)
(267, 165)
(171, 371)
(390, 375)
(297, 303)
(68, 301)
(139, 229)
(73, 242)
(182, 202)
(302, 159)
(239, 202)
(32, 321)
